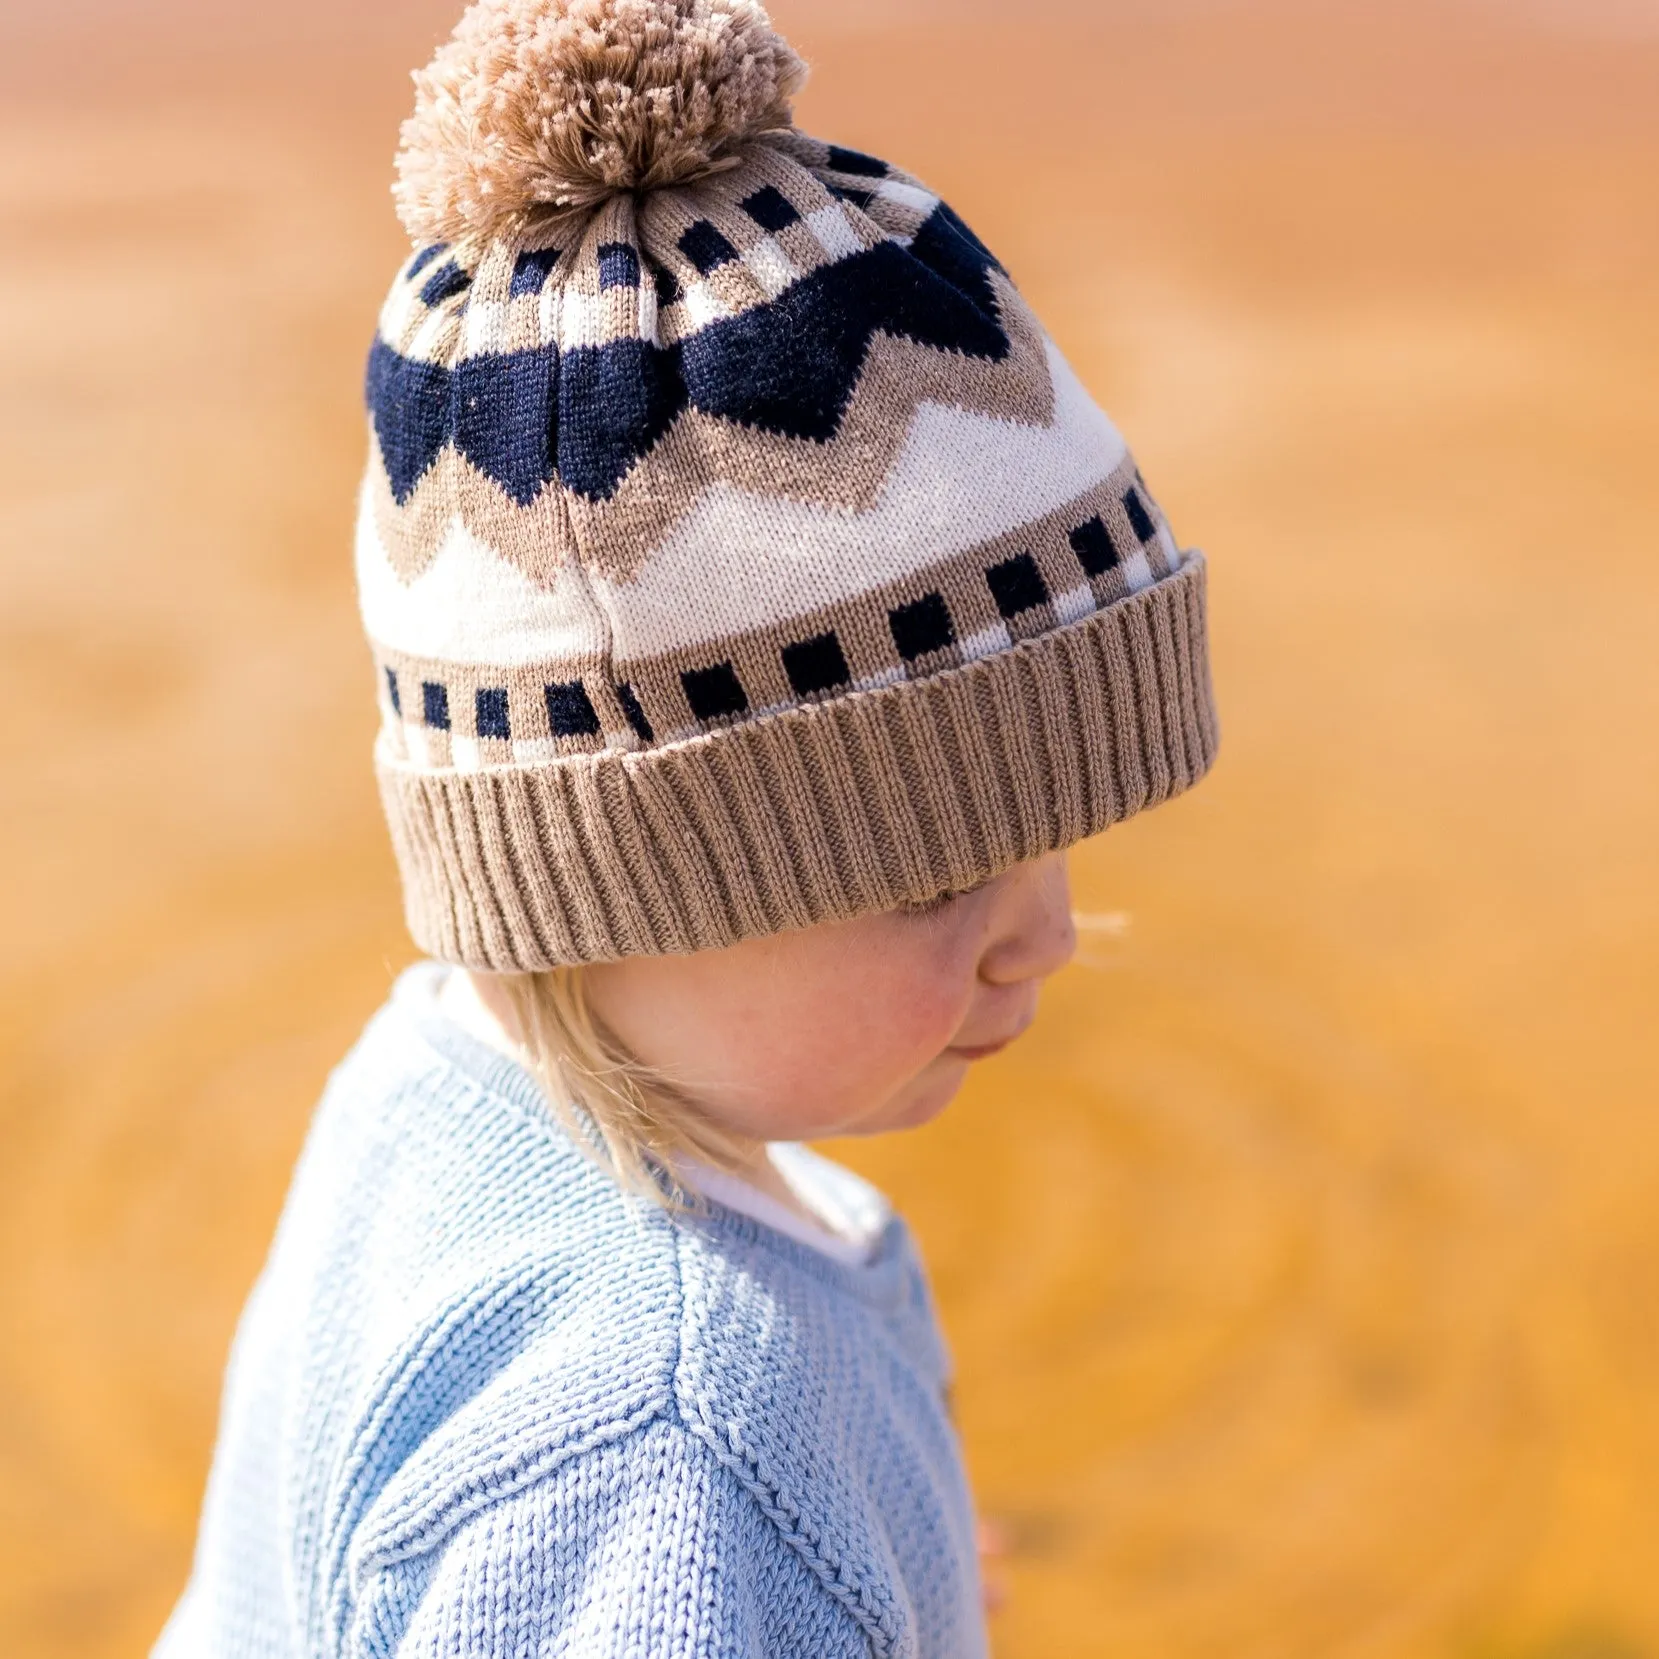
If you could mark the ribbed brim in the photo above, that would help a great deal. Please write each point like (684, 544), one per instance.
(872, 800)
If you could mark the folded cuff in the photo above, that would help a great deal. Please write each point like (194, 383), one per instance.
(871, 800)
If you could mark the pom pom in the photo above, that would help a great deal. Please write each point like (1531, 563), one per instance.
(537, 106)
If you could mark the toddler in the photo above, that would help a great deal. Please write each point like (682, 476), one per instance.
(760, 608)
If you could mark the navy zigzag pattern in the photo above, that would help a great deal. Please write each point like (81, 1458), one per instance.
(586, 417)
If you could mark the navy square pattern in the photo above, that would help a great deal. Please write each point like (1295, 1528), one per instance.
(854, 161)
(618, 266)
(530, 271)
(922, 626)
(491, 708)
(570, 711)
(667, 285)
(771, 209)
(816, 665)
(1092, 543)
(629, 699)
(1140, 520)
(706, 248)
(1017, 585)
(435, 705)
(447, 280)
(714, 693)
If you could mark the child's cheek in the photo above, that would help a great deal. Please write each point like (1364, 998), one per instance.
(921, 1008)
(859, 1043)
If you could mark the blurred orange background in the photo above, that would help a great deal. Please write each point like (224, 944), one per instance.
(1303, 1268)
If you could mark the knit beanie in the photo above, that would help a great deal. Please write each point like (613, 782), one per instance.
(737, 552)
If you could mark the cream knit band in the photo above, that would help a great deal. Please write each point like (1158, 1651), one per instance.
(737, 552)
(862, 803)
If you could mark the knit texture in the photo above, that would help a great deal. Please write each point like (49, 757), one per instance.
(483, 1404)
(738, 553)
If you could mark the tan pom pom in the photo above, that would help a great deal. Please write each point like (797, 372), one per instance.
(541, 105)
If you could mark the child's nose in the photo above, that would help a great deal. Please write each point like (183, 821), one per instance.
(1035, 935)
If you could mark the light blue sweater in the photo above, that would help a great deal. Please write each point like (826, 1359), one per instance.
(483, 1406)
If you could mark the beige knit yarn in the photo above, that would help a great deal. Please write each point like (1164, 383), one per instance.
(737, 552)
(535, 106)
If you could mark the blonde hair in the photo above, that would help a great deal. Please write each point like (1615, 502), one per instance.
(634, 1120)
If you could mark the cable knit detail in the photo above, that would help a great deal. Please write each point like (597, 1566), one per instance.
(482, 1404)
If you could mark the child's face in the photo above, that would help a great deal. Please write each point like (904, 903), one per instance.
(849, 1028)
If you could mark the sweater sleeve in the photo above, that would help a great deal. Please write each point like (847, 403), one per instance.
(645, 1548)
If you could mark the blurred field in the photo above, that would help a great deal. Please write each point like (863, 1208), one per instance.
(1303, 1270)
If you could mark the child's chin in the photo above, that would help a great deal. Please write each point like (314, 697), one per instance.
(932, 1092)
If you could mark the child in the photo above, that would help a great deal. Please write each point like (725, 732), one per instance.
(760, 608)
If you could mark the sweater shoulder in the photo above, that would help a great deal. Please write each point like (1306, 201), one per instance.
(457, 1301)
